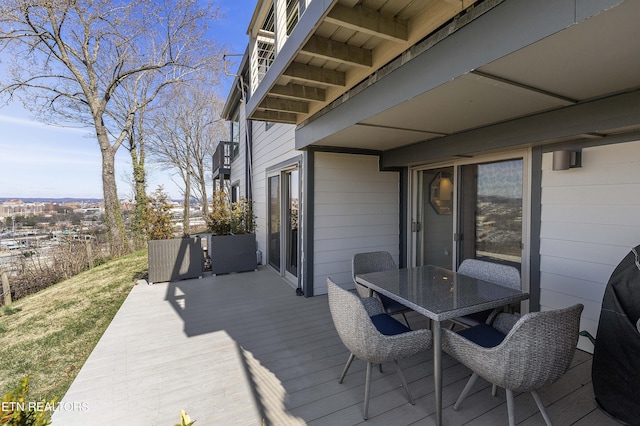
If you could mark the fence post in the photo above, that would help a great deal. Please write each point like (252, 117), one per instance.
(6, 288)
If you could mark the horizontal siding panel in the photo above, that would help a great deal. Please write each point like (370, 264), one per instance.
(351, 243)
(355, 220)
(356, 209)
(607, 195)
(364, 187)
(588, 252)
(607, 234)
(588, 271)
(345, 255)
(618, 154)
(354, 174)
(357, 197)
(599, 215)
(334, 268)
(353, 231)
(571, 286)
(329, 160)
(341, 278)
(627, 172)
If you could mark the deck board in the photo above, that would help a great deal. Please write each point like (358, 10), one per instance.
(243, 349)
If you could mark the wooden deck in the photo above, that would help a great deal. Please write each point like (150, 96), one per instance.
(243, 349)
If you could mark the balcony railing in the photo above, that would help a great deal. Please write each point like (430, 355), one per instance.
(222, 158)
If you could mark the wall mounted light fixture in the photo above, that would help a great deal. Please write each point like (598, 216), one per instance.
(565, 160)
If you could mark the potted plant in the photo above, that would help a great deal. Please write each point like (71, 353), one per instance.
(233, 239)
(169, 258)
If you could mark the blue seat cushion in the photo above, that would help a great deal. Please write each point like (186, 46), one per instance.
(388, 326)
(483, 335)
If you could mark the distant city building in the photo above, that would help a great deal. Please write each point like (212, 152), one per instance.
(10, 208)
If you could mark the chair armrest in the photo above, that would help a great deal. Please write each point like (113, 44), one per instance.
(402, 345)
(372, 306)
(487, 362)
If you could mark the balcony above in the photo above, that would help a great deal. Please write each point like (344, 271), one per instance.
(334, 46)
(222, 158)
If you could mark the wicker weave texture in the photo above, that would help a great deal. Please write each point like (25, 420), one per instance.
(360, 336)
(534, 354)
(504, 275)
(374, 261)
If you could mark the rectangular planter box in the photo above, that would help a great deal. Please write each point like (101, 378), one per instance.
(233, 253)
(175, 259)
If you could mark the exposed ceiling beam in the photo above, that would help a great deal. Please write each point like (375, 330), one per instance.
(341, 52)
(313, 74)
(274, 116)
(298, 91)
(566, 100)
(403, 129)
(369, 21)
(286, 105)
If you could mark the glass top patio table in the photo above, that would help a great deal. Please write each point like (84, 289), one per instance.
(439, 294)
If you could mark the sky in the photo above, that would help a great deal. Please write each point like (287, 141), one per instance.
(44, 161)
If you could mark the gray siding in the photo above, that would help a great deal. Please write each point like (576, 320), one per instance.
(589, 223)
(356, 210)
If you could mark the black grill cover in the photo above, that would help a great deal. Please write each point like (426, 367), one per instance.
(616, 356)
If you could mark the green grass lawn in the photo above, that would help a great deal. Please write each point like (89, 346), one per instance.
(49, 335)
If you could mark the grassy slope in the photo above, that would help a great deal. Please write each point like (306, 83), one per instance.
(49, 335)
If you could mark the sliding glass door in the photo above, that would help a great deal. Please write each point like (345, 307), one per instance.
(274, 225)
(291, 221)
(284, 195)
(433, 224)
(469, 210)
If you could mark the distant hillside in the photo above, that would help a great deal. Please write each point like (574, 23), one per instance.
(52, 200)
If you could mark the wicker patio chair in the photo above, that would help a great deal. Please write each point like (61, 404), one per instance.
(535, 352)
(372, 336)
(504, 275)
(377, 261)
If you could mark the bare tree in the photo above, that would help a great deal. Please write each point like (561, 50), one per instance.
(72, 59)
(185, 132)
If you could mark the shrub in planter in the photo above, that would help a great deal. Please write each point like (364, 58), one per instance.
(233, 242)
(227, 218)
(158, 216)
(170, 258)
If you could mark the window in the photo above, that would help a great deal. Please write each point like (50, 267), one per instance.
(235, 136)
(235, 192)
(491, 211)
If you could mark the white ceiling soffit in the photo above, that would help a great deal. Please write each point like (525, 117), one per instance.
(595, 58)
